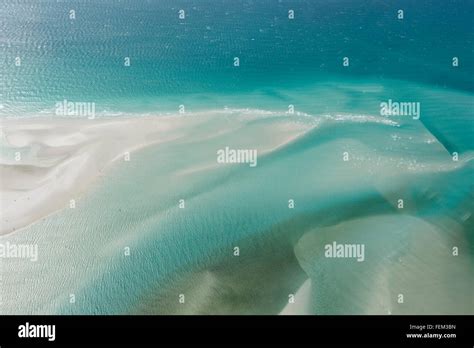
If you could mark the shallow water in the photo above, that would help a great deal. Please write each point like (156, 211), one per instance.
(190, 251)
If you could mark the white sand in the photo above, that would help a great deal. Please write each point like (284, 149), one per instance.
(302, 301)
(61, 158)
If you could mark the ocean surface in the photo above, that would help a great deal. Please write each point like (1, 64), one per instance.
(282, 62)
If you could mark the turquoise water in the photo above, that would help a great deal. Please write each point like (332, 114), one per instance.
(282, 62)
(190, 61)
(83, 57)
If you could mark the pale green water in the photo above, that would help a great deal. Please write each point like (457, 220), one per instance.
(283, 62)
